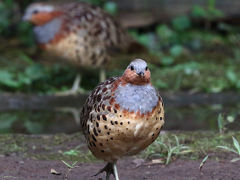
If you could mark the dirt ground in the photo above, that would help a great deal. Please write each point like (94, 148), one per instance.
(31, 157)
(15, 168)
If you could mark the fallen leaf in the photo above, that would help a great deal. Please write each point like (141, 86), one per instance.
(157, 161)
(53, 171)
(203, 162)
(235, 160)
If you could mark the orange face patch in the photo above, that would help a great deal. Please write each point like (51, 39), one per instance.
(44, 17)
(133, 78)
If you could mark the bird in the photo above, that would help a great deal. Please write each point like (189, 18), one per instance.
(80, 34)
(122, 116)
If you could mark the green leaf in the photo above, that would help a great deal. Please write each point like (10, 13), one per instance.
(231, 75)
(164, 32)
(71, 152)
(25, 58)
(6, 121)
(199, 12)
(181, 23)
(220, 123)
(227, 148)
(68, 165)
(34, 127)
(6, 78)
(176, 50)
(159, 83)
(203, 162)
(110, 7)
(167, 60)
(34, 72)
(146, 39)
(236, 144)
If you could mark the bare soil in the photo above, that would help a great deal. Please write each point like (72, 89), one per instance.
(15, 168)
(31, 157)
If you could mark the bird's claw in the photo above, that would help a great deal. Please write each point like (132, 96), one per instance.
(108, 169)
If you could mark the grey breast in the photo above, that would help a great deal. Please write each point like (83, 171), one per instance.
(136, 98)
(47, 32)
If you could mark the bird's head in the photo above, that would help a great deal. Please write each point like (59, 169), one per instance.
(40, 13)
(137, 73)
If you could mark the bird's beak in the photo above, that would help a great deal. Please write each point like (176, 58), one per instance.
(140, 73)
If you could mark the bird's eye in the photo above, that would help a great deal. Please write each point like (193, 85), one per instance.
(146, 68)
(35, 11)
(132, 68)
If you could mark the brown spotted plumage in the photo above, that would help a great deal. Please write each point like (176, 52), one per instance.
(80, 34)
(123, 115)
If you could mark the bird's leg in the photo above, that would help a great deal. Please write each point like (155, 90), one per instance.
(76, 83)
(115, 171)
(102, 75)
(75, 88)
(110, 168)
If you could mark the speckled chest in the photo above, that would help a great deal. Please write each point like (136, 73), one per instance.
(114, 135)
(112, 132)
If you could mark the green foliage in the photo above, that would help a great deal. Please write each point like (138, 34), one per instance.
(181, 23)
(220, 123)
(235, 150)
(32, 77)
(167, 149)
(71, 152)
(176, 50)
(110, 7)
(233, 78)
(33, 123)
(4, 17)
(223, 121)
(11, 25)
(210, 13)
(34, 127)
(147, 39)
(25, 34)
(6, 122)
(70, 166)
(164, 32)
(199, 12)
(94, 2)
(186, 54)
(21, 79)
(200, 76)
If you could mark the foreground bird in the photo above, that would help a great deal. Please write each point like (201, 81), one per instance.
(122, 116)
(82, 35)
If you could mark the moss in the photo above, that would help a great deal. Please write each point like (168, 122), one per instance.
(73, 148)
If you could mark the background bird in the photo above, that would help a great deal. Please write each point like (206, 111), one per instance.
(82, 35)
(122, 116)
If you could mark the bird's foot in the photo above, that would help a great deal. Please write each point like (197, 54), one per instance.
(108, 169)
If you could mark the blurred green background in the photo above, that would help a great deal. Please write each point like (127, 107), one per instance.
(197, 51)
